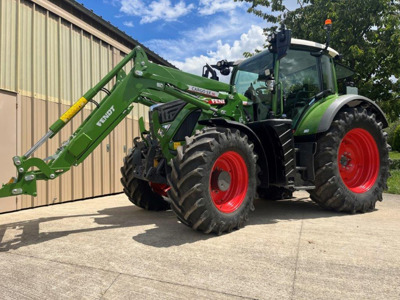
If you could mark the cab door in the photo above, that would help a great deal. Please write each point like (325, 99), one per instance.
(303, 74)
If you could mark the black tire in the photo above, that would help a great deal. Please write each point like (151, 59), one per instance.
(274, 193)
(139, 191)
(338, 184)
(190, 180)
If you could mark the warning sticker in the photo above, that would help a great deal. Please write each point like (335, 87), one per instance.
(216, 101)
(73, 110)
(202, 91)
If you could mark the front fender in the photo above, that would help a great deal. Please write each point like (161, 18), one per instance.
(258, 146)
(320, 117)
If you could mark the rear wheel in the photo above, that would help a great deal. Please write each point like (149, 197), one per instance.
(213, 180)
(140, 192)
(352, 163)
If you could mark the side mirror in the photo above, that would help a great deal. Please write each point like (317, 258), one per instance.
(280, 41)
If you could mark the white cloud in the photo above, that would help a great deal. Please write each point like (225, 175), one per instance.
(248, 42)
(156, 10)
(205, 38)
(210, 7)
(220, 27)
(128, 24)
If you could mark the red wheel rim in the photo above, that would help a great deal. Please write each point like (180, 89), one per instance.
(228, 182)
(358, 160)
(160, 188)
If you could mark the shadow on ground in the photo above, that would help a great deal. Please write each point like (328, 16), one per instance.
(167, 231)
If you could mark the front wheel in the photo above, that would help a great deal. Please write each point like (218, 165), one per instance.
(351, 163)
(146, 195)
(213, 180)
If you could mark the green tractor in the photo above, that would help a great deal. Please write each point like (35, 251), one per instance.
(281, 125)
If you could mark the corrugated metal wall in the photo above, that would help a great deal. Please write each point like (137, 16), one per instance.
(49, 62)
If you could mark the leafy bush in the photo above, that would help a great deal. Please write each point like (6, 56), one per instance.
(396, 139)
(395, 164)
(393, 182)
(390, 131)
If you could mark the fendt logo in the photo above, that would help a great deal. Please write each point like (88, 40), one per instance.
(106, 116)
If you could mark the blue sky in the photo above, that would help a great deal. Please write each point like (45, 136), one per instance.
(187, 33)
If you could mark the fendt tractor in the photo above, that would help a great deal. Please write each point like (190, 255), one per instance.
(281, 125)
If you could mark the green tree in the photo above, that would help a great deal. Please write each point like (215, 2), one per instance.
(396, 139)
(365, 32)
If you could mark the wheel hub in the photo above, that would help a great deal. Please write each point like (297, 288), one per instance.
(228, 182)
(220, 180)
(358, 160)
(345, 159)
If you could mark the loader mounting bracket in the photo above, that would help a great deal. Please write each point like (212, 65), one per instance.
(25, 182)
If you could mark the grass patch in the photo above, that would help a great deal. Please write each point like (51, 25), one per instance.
(394, 182)
(394, 155)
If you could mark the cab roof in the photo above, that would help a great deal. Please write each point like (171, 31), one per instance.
(299, 42)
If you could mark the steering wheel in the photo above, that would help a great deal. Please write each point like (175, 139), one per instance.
(259, 89)
(260, 95)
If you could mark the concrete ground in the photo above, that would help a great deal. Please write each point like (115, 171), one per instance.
(106, 248)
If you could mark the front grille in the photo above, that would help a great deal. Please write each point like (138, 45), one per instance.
(187, 127)
(167, 112)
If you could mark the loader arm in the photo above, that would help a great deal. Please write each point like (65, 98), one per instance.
(148, 84)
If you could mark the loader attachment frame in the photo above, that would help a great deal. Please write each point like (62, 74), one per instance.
(148, 84)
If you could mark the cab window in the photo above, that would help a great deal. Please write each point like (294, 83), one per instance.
(303, 74)
(299, 76)
(327, 73)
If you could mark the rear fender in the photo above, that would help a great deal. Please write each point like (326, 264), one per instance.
(320, 117)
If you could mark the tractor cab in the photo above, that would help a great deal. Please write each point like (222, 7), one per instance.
(286, 84)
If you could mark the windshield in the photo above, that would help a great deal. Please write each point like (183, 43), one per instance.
(247, 76)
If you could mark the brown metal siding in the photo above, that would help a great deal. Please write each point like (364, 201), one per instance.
(50, 62)
(8, 123)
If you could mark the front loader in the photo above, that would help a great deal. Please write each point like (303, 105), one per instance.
(279, 126)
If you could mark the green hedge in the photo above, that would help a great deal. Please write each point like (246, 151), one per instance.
(396, 139)
(395, 164)
(393, 182)
(390, 130)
